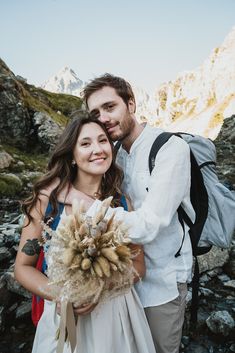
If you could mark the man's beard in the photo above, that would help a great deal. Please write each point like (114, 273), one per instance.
(124, 134)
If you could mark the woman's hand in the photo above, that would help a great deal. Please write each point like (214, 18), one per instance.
(83, 309)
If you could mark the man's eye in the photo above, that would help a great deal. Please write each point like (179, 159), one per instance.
(95, 114)
(110, 107)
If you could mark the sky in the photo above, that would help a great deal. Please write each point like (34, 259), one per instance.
(147, 42)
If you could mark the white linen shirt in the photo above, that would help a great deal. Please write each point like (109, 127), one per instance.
(154, 222)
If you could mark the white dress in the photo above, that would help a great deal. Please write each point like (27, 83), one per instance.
(119, 325)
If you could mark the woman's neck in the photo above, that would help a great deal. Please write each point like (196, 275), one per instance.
(89, 185)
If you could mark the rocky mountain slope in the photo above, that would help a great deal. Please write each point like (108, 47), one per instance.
(198, 101)
(30, 117)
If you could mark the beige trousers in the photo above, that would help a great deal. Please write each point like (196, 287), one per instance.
(166, 322)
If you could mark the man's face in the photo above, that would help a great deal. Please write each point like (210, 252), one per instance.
(107, 106)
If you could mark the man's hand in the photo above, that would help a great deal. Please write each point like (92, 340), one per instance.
(83, 309)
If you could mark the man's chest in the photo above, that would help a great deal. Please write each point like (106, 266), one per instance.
(136, 177)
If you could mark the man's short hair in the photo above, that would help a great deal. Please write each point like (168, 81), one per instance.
(121, 86)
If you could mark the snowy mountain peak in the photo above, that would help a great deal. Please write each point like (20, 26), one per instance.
(65, 81)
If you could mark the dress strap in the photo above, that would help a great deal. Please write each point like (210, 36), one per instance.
(56, 219)
(124, 203)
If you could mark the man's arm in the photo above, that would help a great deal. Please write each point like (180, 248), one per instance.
(169, 184)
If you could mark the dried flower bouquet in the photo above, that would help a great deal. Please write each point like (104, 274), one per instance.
(88, 258)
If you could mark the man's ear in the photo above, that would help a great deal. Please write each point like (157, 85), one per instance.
(131, 106)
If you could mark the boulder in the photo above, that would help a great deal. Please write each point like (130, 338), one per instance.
(220, 322)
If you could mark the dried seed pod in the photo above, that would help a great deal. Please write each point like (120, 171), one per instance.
(68, 256)
(113, 267)
(92, 250)
(110, 254)
(97, 218)
(86, 264)
(104, 264)
(110, 221)
(97, 269)
(73, 244)
(78, 209)
(123, 251)
(95, 232)
(76, 263)
(102, 226)
(77, 236)
(107, 202)
(83, 230)
(105, 238)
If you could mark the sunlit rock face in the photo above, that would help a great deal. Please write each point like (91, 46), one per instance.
(198, 101)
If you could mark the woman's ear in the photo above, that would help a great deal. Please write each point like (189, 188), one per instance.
(131, 106)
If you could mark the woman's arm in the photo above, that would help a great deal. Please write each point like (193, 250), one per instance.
(25, 272)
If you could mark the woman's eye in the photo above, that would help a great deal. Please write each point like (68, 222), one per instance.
(85, 144)
(104, 140)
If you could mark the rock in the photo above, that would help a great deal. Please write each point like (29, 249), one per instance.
(2, 324)
(230, 265)
(14, 286)
(185, 340)
(225, 148)
(215, 272)
(5, 160)
(4, 254)
(214, 258)
(220, 322)
(206, 292)
(194, 347)
(223, 277)
(232, 348)
(47, 130)
(204, 278)
(24, 309)
(230, 284)
(9, 233)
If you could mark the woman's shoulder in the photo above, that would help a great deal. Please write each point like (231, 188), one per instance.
(46, 192)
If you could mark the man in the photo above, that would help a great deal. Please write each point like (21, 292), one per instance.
(155, 198)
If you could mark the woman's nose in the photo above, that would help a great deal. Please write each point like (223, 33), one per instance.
(97, 148)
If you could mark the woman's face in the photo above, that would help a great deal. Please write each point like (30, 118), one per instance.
(92, 152)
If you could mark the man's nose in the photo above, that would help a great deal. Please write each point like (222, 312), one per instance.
(104, 117)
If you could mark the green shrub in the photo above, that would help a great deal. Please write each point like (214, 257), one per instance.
(10, 185)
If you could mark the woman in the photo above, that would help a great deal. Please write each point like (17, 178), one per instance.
(81, 167)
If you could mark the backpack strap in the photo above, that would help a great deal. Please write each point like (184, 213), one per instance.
(156, 146)
(116, 147)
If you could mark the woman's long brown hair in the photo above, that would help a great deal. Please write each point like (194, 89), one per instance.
(60, 166)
